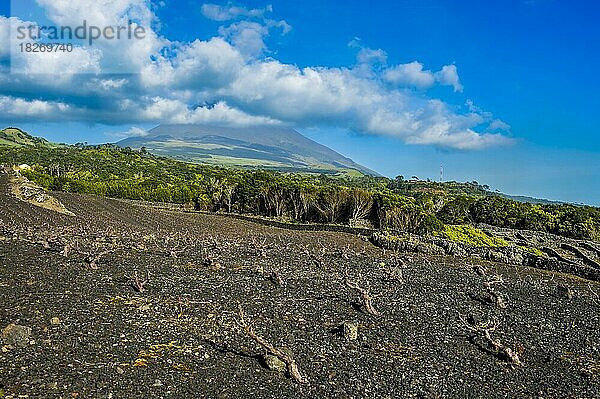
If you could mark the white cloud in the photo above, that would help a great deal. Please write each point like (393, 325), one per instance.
(199, 65)
(222, 13)
(246, 36)
(411, 74)
(132, 132)
(283, 25)
(125, 54)
(449, 76)
(175, 111)
(221, 113)
(4, 37)
(100, 13)
(136, 131)
(8, 32)
(63, 64)
(19, 108)
(244, 87)
(299, 95)
(341, 97)
(499, 125)
(371, 56)
(109, 84)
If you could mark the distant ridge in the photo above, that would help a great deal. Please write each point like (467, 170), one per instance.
(531, 200)
(267, 147)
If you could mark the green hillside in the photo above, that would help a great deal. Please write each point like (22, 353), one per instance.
(379, 202)
(16, 137)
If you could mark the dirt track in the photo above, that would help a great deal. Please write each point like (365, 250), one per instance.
(180, 337)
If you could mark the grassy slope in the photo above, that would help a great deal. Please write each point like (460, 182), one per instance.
(9, 143)
(19, 137)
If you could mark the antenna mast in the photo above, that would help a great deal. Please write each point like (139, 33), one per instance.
(441, 172)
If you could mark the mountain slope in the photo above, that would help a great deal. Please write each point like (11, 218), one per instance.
(268, 147)
(16, 137)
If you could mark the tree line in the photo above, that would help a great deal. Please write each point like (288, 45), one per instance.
(395, 204)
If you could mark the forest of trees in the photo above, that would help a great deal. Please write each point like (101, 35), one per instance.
(395, 204)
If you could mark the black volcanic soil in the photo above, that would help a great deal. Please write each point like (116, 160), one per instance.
(181, 338)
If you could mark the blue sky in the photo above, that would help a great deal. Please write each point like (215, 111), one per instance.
(502, 92)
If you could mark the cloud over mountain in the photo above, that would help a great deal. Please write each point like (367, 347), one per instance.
(231, 78)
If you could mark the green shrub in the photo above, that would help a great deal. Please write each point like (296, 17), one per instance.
(470, 235)
(531, 250)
